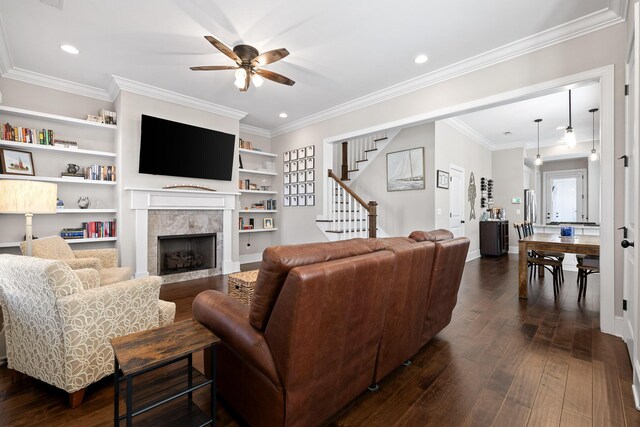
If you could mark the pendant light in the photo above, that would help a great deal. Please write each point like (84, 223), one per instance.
(569, 135)
(594, 154)
(538, 158)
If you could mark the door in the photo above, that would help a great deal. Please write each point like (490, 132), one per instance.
(565, 196)
(631, 179)
(456, 200)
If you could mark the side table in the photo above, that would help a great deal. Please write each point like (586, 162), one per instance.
(146, 351)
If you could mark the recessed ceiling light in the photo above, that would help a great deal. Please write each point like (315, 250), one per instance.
(421, 59)
(283, 115)
(507, 133)
(69, 49)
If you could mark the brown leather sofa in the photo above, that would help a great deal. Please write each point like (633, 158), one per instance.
(329, 319)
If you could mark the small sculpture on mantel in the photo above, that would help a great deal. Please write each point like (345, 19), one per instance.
(84, 202)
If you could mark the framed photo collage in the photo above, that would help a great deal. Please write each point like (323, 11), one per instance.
(299, 177)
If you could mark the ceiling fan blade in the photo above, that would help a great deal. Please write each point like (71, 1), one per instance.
(214, 67)
(269, 57)
(279, 78)
(224, 49)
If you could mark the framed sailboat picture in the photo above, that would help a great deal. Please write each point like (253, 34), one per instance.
(405, 170)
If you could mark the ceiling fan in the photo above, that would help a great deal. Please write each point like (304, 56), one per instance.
(248, 62)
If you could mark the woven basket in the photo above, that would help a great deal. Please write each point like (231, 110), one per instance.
(241, 285)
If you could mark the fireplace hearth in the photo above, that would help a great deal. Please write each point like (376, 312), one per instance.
(186, 252)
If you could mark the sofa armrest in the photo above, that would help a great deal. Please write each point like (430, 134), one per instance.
(89, 277)
(108, 257)
(229, 320)
(90, 318)
(79, 263)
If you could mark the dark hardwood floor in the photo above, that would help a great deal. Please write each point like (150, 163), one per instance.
(502, 361)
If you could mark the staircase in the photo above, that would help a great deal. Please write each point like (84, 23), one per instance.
(358, 153)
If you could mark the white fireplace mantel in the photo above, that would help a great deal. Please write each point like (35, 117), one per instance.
(145, 199)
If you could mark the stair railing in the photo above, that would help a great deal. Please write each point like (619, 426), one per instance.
(354, 212)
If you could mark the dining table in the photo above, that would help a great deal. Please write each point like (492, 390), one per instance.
(585, 244)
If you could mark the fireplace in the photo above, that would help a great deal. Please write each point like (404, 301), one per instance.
(186, 252)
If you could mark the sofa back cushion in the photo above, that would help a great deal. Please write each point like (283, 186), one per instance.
(402, 332)
(324, 332)
(448, 265)
(277, 261)
(431, 236)
(52, 247)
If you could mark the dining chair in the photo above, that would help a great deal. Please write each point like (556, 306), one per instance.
(586, 265)
(559, 256)
(535, 261)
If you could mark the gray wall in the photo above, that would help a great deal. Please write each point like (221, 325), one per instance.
(508, 182)
(401, 212)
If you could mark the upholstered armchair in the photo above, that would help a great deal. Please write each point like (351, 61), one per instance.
(59, 321)
(103, 260)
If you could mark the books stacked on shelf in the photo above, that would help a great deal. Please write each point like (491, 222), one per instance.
(72, 233)
(78, 176)
(27, 135)
(97, 229)
(109, 117)
(65, 144)
(269, 204)
(100, 173)
(246, 225)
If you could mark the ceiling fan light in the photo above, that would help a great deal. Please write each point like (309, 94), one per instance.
(257, 80)
(538, 160)
(570, 137)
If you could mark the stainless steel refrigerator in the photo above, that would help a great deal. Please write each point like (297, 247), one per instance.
(530, 206)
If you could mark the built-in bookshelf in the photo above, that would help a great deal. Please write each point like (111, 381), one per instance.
(72, 141)
(258, 202)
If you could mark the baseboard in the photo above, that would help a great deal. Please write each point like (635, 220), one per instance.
(636, 401)
(229, 267)
(247, 258)
(618, 327)
(473, 255)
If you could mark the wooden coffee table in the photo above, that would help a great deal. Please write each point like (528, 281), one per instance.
(151, 350)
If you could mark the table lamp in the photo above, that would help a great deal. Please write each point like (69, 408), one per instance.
(28, 198)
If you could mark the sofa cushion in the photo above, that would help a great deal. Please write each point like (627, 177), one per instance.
(432, 236)
(52, 247)
(277, 261)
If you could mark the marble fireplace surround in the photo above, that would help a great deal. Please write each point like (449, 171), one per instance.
(170, 212)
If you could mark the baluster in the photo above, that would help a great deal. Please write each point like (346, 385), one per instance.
(332, 205)
(349, 225)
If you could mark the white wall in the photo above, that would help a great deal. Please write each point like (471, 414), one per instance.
(401, 212)
(130, 107)
(450, 143)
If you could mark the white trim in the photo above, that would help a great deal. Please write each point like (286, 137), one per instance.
(567, 31)
(57, 83)
(473, 255)
(253, 130)
(121, 84)
(6, 60)
(605, 75)
(636, 398)
(619, 328)
(452, 167)
(247, 258)
(620, 8)
(471, 133)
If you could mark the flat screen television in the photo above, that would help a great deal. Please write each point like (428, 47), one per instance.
(177, 149)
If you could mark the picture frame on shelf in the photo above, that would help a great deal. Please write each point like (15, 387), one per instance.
(442, 179)
(311, 151)
(311, 163)
(287, 178)
(267, 223)
(293, 155)
(253, 187)
(311, 176)
(286, 201)
(301, 177)
(286, 156)
(311, 200)
(16, 162)
(302, 153)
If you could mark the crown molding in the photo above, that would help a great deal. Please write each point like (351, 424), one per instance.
(253, 130)
(6, 61)
(469, 132)
(620, 8)
(121, 84)
(567, 31)
(58, 84)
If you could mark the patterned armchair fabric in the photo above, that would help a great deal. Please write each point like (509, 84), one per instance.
(103, 260)
(59, 321)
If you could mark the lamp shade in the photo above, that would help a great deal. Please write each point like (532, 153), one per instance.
(28, 197)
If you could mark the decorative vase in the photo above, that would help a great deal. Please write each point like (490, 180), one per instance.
(72, 168)
(84, 202)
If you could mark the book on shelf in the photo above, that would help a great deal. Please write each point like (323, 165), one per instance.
(271, 204)
(64, 144)
(110, 117)
(27, 135)
(99, 229)
(100, 173)
(72, 233)
(78, 176)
